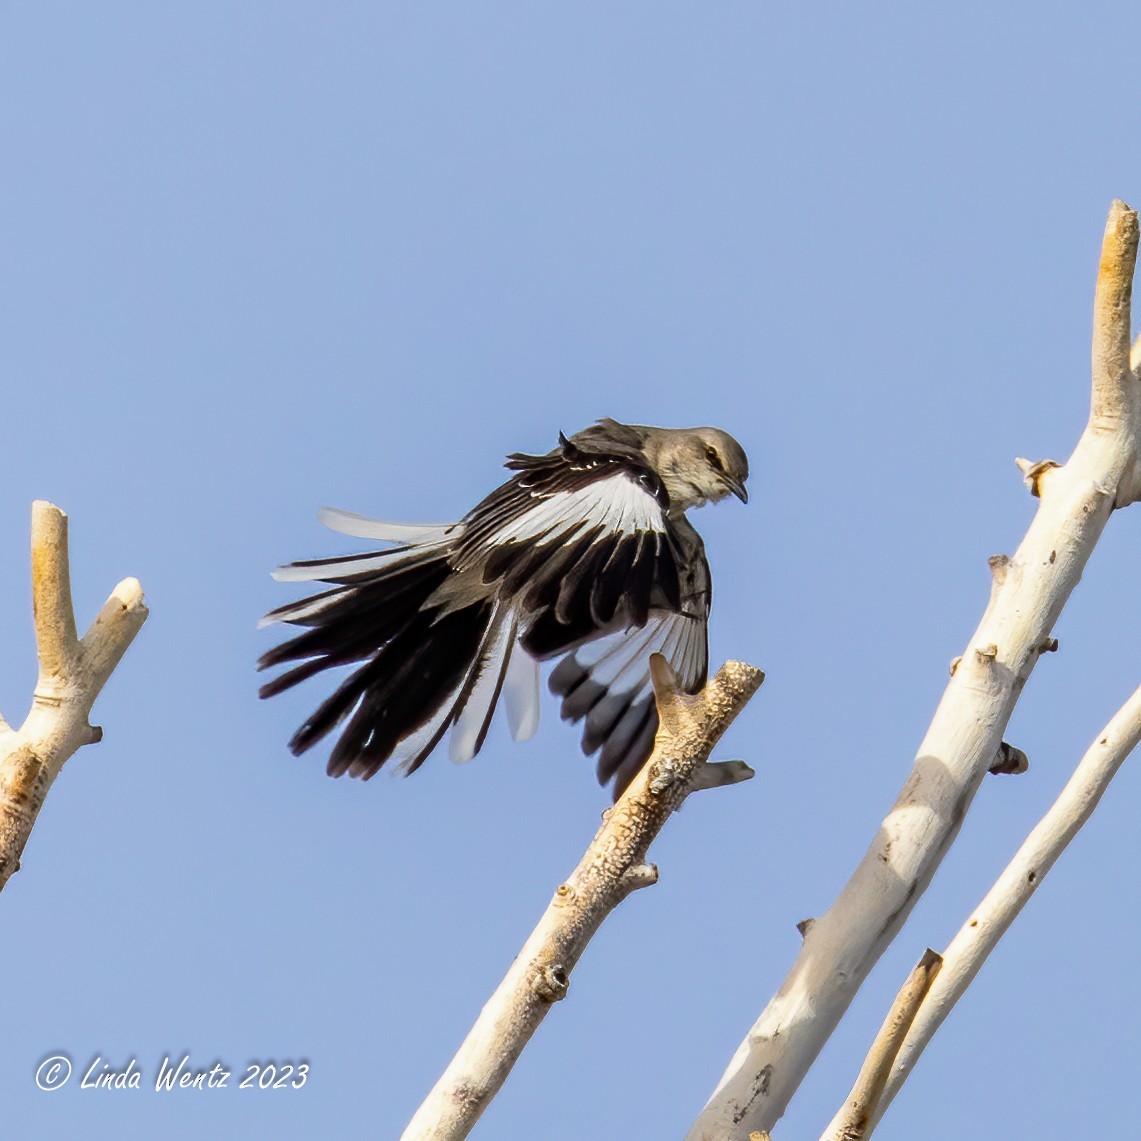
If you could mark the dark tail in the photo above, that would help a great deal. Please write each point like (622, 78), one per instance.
(422, 664)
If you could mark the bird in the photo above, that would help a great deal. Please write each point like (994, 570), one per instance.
(584, 557)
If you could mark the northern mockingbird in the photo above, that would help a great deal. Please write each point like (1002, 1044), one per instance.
(584, 554)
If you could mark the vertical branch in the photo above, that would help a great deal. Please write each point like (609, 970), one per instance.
(1114, 398)
(71, 676)
(51, 592)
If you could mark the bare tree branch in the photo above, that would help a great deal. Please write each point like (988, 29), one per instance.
(1114, 398)
(1019, 881)
(72, 674)
(614, 866)
(51, 592)
(965, 737)
(854, 1121)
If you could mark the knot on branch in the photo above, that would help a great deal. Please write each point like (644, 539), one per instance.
(664, 776)
(999, 564)
(1009, 760)
(1000, 568)
(638, 876)
(551, 983)
(1032, 472)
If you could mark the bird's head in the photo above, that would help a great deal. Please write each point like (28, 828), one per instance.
(700, 465)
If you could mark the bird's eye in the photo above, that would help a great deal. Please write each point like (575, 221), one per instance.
(713, 458)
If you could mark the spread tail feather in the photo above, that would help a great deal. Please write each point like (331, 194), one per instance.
(418, 678)
(435, 667)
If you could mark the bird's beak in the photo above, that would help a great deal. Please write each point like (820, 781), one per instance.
(737, 488)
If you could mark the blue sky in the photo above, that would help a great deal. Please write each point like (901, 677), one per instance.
(259, 258)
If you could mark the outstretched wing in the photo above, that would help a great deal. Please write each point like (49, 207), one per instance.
(580, 541)
(598, 574)
(606, 684)
(575, 556)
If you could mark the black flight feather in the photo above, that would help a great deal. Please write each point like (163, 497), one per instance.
(425, 619)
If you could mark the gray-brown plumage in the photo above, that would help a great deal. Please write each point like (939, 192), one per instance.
(583, 555)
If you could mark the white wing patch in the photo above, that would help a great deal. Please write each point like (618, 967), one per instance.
(607, 683)
(619, 503)
(618, 655)
(627, 665)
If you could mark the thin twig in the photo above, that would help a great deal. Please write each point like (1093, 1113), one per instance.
(854, 1121)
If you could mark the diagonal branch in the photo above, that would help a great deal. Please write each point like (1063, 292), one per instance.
(1019, 881)
(613, 867)
(965, 737)
(854, 1121)
(72, 674)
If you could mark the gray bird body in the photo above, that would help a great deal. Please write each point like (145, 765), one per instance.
(583, 555)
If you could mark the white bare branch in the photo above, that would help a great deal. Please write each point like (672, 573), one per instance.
(72, 674)
(1019, 881)
(613, 867)
(854, 1121)
(965, 738)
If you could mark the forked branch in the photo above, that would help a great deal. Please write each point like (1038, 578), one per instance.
(72, 674)
(965, 737)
